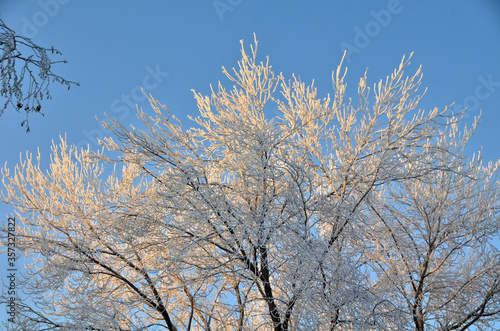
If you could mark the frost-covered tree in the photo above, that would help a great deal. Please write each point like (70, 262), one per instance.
(430, 244)
(26, 71)
(250, 222)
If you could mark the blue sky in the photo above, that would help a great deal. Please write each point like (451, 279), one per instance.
(114, 48)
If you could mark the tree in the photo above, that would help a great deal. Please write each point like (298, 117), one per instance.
(249, 223)
(431, 245)
(23, 87)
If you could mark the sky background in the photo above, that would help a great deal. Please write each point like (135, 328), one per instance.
(114, 48)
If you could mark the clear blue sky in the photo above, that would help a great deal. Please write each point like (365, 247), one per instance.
(170, 47)
(114, 48)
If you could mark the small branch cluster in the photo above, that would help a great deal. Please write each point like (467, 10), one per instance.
(26, 71)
